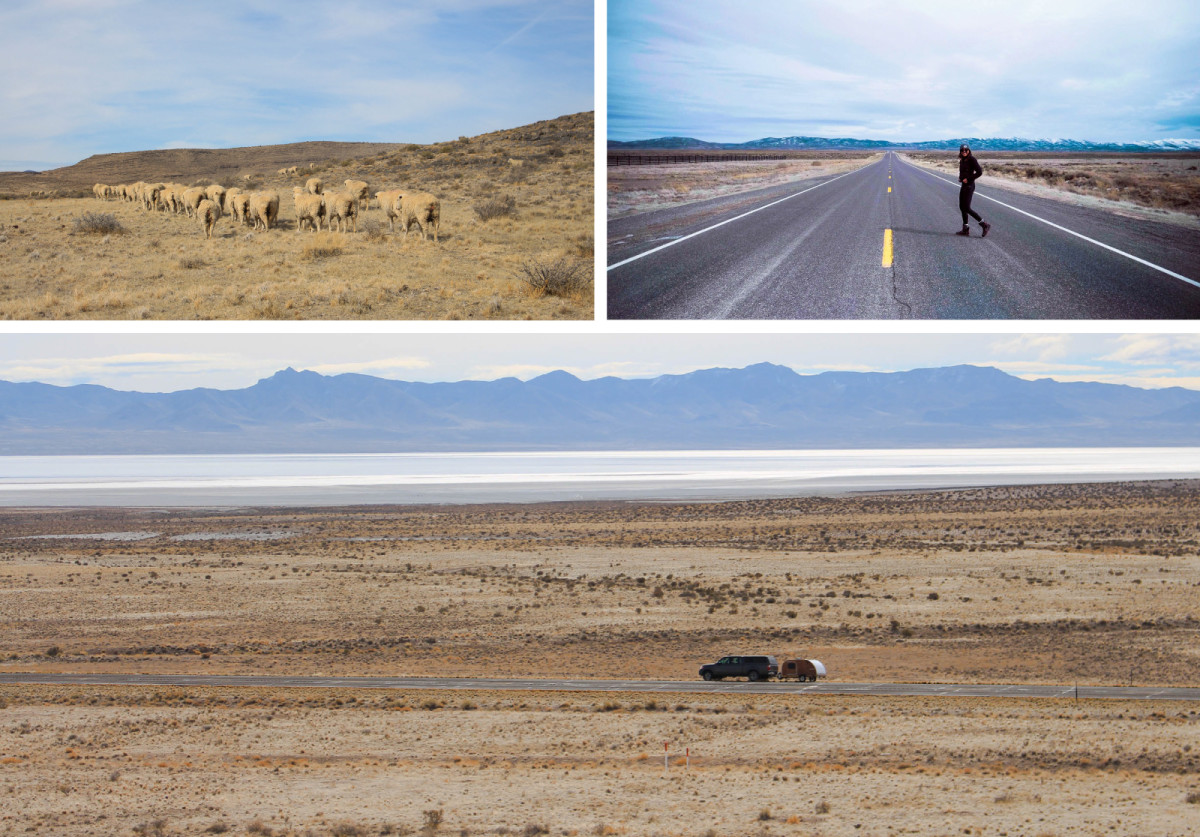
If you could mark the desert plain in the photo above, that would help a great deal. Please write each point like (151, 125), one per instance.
(515, 242)
(1089, 584)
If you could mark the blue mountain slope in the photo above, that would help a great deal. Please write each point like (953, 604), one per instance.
(763, 406)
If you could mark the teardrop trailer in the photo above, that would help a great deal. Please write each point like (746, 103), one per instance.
(802, 670)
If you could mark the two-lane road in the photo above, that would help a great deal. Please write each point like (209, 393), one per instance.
(658, 686)
(818, 249)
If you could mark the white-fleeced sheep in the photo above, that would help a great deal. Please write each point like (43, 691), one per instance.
(192, 198)
(422, 209)
(360, 189)
(216, 194)
(342, 207)
(264, 209)
(208, 212)
(309, 208)
(314, 185)
(387, 202)
(237, 204)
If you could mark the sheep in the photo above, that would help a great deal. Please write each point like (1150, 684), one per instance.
(208, 212)
(314, 185)
(292, 170)
(421, 208)
(237, 204)
(264, 209)
(216, 194)
(100, 191)
(168, 198)
(360, 189)
(150, 194)
(342, 206)
(192, 198)
(309, 208)
(387, 202)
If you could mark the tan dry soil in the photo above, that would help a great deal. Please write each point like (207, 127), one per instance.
(1054, 584)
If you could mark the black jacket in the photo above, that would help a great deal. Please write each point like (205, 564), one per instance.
(969, 169)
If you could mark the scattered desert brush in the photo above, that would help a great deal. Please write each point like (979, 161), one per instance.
(565, 277)
(98, 223)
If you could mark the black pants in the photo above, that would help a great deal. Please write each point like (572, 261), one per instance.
(964, 202)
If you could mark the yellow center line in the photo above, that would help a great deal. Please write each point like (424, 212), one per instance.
(889, 189)
(887, 248)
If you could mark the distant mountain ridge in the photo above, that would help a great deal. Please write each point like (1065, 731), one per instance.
(983, 144)
(762, 406)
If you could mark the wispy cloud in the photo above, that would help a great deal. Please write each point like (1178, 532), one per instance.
(902, 69)
(232, 72)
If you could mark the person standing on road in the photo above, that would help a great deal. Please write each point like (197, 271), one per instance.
(968, 171)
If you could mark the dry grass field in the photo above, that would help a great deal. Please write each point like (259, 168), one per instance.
(158, 265)
(634, 189)
(1165, 186)
(1095, 584)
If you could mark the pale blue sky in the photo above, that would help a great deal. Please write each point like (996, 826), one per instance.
(87, 77)
(159, 362)
(904, 70)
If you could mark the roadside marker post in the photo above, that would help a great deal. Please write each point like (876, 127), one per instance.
(666, 766)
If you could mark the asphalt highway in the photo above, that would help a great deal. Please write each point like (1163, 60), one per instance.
(657, 686)
(820, 250)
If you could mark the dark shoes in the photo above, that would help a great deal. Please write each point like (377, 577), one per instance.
(964, 231)
(986, 226)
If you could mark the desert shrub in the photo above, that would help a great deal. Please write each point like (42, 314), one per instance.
(433, 818)
(53, 651)
(217, 828)
(562, 277)
(157, 828)
(98, 223)
(260, 827)
(764, 815)
(190, 263)
(585, 247)
(373, 230)
(822, 807)
(1193, 798)
(534, 829)
(503, 206)
(347, 829)
(324, 245)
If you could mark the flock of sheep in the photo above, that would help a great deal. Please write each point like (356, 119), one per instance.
(260, 209)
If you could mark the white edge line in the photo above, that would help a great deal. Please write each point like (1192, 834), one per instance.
(1159, 268)
(727, 221)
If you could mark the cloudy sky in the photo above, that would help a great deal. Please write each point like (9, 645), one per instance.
(904, 70)
(158, 363)
(85, 77)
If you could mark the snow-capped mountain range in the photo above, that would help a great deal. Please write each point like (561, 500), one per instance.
(978, 143)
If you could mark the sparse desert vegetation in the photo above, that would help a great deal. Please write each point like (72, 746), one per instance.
(323, 762)
(1167, 182)
(70, 253)
(635, 189)
(1095, 584)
